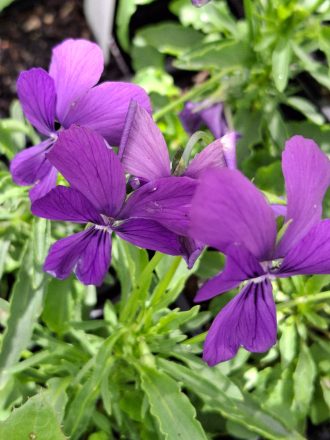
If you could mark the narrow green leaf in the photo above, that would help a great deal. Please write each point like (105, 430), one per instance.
(171, 408)
(306, 108)
(288, 342)
(281, 63)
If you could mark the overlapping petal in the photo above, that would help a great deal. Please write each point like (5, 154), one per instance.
(37, 95)
(166, 200)
(66, 204)
(44, 185)
(196, 114)
(306, 171)
(149, 234)
(90, 166)
(104, 108)
(31, 164)
(311, 255)
(87, 253)
(143, 150)
(191, 250)
(228, 208)
(76, 66)
(241, 265)
(248, 320)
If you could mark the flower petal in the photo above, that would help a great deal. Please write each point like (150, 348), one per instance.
(87, 253)
(196, 114)
(76, 66)
(37, 95)
(227, 208)
(149, 234)
(31, 164)
(311, 255)
(143, 150)
(66, 204)
(306, 171)
(241, 265)
(91, 167)
(165, 200)
(104, 108)
(191, 250)
(248, 320)
(44, 185)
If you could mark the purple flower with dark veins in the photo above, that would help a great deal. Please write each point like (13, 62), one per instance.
(199, 3)
(144, 155)
(68, 95)
(232, 215)
(97, 197)
(196, 114)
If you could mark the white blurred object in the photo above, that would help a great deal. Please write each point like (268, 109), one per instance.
(100, 17)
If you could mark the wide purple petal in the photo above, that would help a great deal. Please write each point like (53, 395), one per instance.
(36, 92)
(44, 185)
(66, 204)
(104, 108)
(90, 166)
(76, 66)
(86, 253)
(311, 255)
(143, 150)
(228, 208)
(248, 320)
(211, 157)
(166, 200)
(149, 234)
(241, 265)
(306, 171)
(31, 164)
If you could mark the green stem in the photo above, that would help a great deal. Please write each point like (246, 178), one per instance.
(194, 92)
(304, 300)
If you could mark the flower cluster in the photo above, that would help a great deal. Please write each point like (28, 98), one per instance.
(175, 210)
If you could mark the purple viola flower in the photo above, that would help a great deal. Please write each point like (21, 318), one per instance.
(68, 95)
(144, 155)
(96, 197)
(232, 215)
(199, 3)
(196, 114)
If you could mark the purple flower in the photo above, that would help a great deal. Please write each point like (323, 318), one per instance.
(96, 197)
(230, 214)
(199, 3)
(68, 95)
(196, 114)
(144, 154)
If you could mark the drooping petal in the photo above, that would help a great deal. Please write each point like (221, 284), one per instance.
(149, 234)
(279, 210)
(66, 204)
(191, 250)
(199, 3)
(91, 167)
(143, 150)
(86, 253)
(248, 320)
(76, 66)
(44, 185)
(104, 108)
(306, 171)
(31, 164)
(214, 119)
(37, 95)
(229, 148)
(166, 200)
(211, 157)
(227, 208)
(241, 265)
(311, 255)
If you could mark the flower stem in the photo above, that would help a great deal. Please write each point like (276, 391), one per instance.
(194, 92)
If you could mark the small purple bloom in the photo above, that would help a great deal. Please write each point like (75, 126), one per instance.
(196, 114)
(232, 215)
(199, 3)
(68, 95)
(97, 197)
(144, 154)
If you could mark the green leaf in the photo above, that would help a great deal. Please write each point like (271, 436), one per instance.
(27, 298)
(4, 249)
(288, 341)
(303, 378)
(171, 408)
(306, 108)
(34, 420)
(281, 63)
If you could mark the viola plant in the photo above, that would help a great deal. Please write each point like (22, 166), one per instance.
(67, 95)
